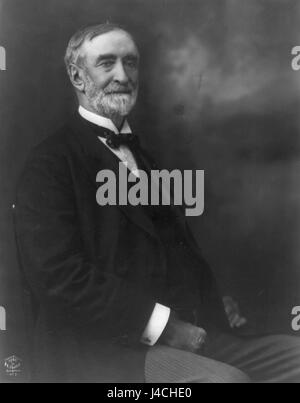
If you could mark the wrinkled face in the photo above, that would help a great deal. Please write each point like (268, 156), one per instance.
(111, 69)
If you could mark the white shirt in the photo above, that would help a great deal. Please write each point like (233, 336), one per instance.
(161, 314)
(123, 153)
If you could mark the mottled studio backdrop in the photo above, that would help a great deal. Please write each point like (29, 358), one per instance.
(218, 93)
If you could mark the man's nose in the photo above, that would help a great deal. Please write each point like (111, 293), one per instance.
(120, 74)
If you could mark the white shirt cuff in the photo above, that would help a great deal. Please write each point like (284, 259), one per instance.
(156, 325)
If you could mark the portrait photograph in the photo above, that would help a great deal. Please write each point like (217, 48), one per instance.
(149, 193)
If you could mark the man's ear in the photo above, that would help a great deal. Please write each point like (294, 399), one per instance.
(76, 77)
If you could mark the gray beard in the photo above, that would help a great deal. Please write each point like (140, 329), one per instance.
(109, 105)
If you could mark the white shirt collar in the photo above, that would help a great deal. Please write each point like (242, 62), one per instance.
(103, 122)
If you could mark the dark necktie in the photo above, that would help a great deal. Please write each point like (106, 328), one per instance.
(115, 141)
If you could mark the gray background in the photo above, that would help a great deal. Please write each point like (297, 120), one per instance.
(218, 93)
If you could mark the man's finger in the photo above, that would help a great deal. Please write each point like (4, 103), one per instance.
(200, 339)
(234, 320)
(241, 322)
(238, 322)
(231, 306)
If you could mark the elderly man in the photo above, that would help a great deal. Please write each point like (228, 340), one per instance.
(121, 293)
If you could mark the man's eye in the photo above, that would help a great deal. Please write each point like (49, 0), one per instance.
(132, 64)
(107, 64)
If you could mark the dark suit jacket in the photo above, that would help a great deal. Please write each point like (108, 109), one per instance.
(95, 273)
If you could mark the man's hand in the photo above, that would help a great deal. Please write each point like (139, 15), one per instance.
(233, 312)
(183, 335)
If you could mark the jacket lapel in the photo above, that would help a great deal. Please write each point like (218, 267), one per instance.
(96, 157)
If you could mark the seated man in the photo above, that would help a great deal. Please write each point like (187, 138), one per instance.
(121, 293)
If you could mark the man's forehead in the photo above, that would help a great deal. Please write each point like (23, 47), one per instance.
(117, 42)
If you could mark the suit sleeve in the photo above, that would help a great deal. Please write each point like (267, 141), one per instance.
(73, 290)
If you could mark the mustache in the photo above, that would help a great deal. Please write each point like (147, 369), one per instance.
(115, 88)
